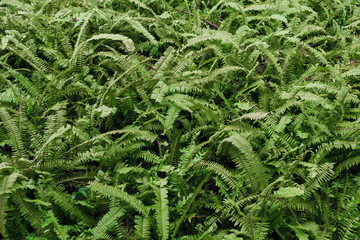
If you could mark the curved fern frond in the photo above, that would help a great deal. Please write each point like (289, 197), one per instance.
(246, 159)
(106, 222)
(64, 201)
(109, 191)
(60, 230)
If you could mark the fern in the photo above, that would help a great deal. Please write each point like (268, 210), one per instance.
(28, 211)
(164, 62)
(148, 119)
(59, 229)
(208, 35)
(7, 187)
(65, 203)
(106, 221)
(109, 191)
(249, 162)
(225, 174)
(347, 164)
(142, 227)
(158, 93)
(162, 209)
(14, 133)
(170, 118)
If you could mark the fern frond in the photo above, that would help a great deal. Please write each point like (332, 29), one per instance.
(13, 133)
(144, 135)
(109, 191)
(116, 37)
(17, 4)
(318, 175)
(24, 52)
(248, 160)
(349, 228)
(64, 201)
(210, 35)
(142, 227)
(140, 28)
(189, 201)
(60, 230)
(107, 221)
(165, 61)
(60, 133)
(221, 171)
(142, 5)
(189, 103)
(6, 187)
(27, 210)
(170, 118)
(347, 164)
(162, 209)
(214, 75)
(159, 91)
(288, 192)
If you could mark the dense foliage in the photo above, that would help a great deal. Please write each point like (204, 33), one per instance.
(154, 119)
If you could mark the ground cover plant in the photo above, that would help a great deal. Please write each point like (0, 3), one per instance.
(144, 119)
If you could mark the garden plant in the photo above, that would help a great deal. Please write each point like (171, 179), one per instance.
(180, 119)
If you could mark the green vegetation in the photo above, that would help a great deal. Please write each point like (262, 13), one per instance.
(179, 119)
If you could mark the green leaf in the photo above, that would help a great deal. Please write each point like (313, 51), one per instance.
(108, 220)
(59, 229)
(299, 233)
(243, 105)
(104, 111)
(170, 118)
(109, 191)
(142, 227)
(288, 192)
(159, 91)
(6, 184)
(162, 209)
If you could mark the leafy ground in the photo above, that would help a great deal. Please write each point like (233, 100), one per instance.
(146, 119)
